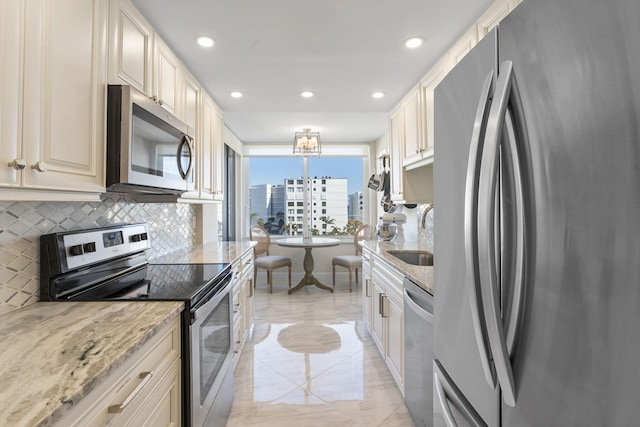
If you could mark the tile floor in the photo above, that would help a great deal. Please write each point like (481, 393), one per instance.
(311, 362)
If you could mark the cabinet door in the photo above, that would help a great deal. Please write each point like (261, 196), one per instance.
(412, 147)
(492, 16)
(63, 139)
(377, 319)
(393, 310)
(367, 290)
(207, 138)
(427, 86)
(396, 146)
(218, 155)
(166, 84)
(367, 300)
(190, 99)
(11, 68)
(463, 46)
(130, 47)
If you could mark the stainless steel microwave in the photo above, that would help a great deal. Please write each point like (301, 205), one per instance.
(148, 149)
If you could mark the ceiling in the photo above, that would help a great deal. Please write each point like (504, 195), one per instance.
(343, 51)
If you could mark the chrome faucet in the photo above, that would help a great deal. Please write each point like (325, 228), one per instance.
(424, 215)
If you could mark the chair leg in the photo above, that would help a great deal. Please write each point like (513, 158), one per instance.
(334, 276)
(289, 277)
(349, 279)
(255, 276)
(356, 276)
(269, 278)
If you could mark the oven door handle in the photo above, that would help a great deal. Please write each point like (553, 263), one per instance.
(215, 299)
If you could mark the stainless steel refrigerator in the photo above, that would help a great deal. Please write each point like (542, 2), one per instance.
(537, 231)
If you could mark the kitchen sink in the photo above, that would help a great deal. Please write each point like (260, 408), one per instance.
(422, 258)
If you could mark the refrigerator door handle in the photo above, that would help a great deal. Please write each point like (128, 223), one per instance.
(506, 95)
(514, 312)
(471, 230)
(448, 393)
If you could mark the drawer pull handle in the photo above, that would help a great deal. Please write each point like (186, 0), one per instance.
(146, 377)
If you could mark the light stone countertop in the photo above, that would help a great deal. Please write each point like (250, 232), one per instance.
(421, 275)
(214, 252)
(55, 353)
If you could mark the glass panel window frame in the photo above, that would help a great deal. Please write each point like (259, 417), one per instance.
(290, 184)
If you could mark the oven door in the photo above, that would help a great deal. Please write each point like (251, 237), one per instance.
(210, 338)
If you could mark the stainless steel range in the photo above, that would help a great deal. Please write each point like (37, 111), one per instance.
(111, 264)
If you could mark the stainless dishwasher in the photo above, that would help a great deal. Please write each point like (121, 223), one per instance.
(418, 353)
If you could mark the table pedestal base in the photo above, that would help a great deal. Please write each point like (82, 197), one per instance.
(308, 278)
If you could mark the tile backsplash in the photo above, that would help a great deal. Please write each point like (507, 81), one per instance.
(171, 227)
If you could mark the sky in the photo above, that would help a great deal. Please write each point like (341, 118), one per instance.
(275, 170)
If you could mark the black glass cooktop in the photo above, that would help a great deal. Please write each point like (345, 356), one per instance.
(174, 282)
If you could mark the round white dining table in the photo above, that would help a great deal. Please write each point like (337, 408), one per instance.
(308, 243)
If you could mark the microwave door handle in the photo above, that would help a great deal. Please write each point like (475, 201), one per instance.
(185, 140)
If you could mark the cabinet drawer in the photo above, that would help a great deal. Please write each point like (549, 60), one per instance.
(164, 405)
(138, 376)
(384, 273)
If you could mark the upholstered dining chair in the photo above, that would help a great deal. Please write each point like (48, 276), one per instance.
(259, 234)
(352, 262)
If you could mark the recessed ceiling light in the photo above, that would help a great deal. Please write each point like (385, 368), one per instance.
(413, 42)
(205, 41)
(236, 94)
(306, 94)
(377, 95)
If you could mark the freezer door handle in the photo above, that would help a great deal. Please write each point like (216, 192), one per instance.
(449, 394)
(507, 105)
(471, 230)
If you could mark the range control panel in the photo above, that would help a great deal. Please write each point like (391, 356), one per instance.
(91, 246)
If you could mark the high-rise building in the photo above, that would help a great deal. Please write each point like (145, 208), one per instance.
(328, 203)
(356, 206)
(267, 203)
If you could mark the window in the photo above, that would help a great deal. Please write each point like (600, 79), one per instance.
(277, 186)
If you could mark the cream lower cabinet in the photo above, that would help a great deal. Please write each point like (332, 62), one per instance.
(367, 292)
(387, 317)
(145, 391)
(52, 76)
(243, 306)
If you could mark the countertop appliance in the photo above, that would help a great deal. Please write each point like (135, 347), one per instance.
(418, 346)
(149, 150)
(110, 264)
(537, 177)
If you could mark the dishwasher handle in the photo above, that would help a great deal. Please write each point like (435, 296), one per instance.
(418, 300)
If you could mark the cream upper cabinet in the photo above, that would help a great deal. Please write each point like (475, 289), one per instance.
(53, 67)
(207, 133)
(396, 147)
(166, 76)
(130, 47)
(412, 146)
(189, 100)
(494, 14)
(12, 25)
(463, 46)
(218, 155)
(427, 86)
